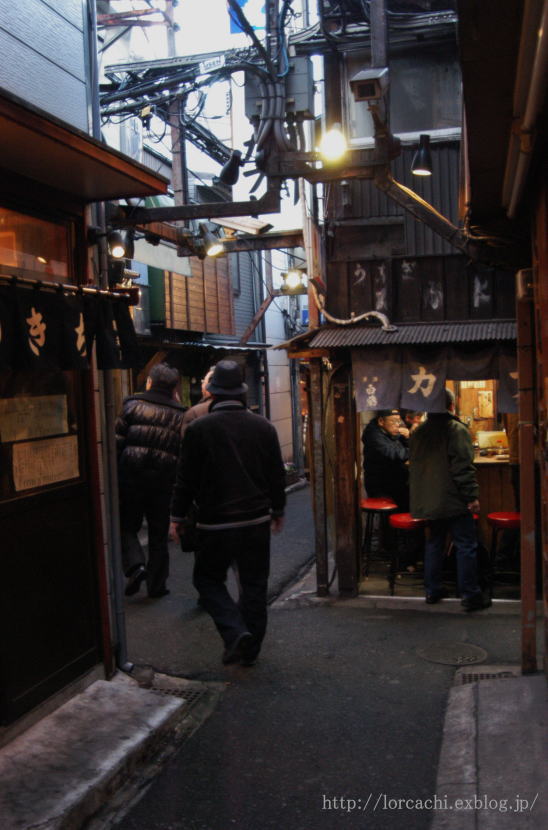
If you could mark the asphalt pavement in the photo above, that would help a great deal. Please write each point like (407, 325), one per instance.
(355, 716)
(174, 635)
(339, 725)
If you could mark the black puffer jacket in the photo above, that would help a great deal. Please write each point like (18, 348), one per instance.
(148, 435)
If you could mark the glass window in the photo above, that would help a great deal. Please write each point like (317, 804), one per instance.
(34, 248)
(425, 94)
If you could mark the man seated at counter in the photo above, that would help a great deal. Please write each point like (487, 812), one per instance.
(385, 456)
(386, 474)
(444, 490)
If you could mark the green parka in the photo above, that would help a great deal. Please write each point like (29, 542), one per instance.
(442, 476)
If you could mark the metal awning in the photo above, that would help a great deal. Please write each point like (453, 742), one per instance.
(407, 334)
(37, 146)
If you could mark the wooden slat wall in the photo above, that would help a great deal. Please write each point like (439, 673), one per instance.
(202, 302)
(211, 295)
(224, 296)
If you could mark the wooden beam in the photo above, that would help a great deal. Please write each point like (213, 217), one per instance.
(256, 319)
(346, 524)
(526, 385)
(307, 354)
(317, 475)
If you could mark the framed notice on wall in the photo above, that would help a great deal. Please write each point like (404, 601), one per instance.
(39, 463)
(25, 417)
(485, 404)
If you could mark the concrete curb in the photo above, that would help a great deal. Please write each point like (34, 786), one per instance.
(56, 780)
(448, 606)
(476, 788)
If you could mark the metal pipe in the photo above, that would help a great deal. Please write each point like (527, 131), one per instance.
(535, 99)
(108, 414)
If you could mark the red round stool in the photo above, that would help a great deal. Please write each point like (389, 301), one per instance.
(505, 520)
(400, 523)
(372, 508)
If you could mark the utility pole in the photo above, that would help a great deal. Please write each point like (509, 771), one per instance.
(179, 176)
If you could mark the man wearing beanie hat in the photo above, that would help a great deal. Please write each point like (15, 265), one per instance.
(231, 472)
(148, 435)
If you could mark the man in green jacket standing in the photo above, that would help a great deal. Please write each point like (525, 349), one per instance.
(444, 489)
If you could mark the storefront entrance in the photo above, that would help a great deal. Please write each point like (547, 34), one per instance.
(48, 590)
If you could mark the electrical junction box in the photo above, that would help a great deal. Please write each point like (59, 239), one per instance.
(299, 87)
(299, 90)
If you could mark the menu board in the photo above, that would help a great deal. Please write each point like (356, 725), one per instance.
(22, 418)
(38, 463)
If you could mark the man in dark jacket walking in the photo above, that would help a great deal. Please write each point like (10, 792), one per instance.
(148, 436)
(230, 468)
(444, 489)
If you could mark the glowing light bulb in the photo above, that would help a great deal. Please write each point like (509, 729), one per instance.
(333, 145)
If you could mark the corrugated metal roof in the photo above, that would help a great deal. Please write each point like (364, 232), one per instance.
(414, 333)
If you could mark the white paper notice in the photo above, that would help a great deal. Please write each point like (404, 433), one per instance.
(37, 463)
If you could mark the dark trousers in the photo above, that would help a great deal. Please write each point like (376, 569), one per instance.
(136, 504)
(248, 548)
(463, 533)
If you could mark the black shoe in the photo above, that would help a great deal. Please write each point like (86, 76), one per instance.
(431, 599)
(250, 653)
(158, 594)
(235, 652)
(134, 580)
(477, 602)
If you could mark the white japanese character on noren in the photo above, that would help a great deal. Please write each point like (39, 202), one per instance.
(80, 339)
(371, 392)
(420, 378)
(37, 331)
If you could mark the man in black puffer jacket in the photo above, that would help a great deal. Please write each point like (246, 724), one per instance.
(148, 435)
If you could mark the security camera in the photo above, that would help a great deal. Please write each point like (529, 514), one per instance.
(369, 84)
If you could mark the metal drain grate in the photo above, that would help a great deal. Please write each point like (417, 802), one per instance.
(190, 696)
(463, 676)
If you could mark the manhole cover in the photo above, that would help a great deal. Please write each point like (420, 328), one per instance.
(453, 654)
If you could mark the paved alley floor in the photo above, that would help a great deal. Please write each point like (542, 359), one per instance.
(340, 714)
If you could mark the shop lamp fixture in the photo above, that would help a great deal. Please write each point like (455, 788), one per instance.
(333, 144)
(213, 245)
(294, 281)
(230, 171)
(422, 160)
(116, 244)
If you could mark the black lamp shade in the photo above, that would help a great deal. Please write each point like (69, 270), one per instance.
(231, 170)
(422, 160)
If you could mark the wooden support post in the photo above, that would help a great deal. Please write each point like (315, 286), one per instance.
(345, 487)
(526, 371)
(317, 475)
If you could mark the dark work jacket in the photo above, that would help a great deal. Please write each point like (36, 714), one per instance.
(385, 472)
(443, 478)
(148, 437)
(230, 467)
